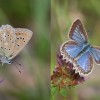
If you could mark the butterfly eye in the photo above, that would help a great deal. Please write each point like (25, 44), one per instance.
(9, 62)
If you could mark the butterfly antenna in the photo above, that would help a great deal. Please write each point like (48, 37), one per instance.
(88, 31)
(18, 63)
(16, 66)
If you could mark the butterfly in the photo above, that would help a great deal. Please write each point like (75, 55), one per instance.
(12, 41)
(79, 51)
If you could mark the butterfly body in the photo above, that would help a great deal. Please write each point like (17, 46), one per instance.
(12, 41)
(79, 51)
(85, 48)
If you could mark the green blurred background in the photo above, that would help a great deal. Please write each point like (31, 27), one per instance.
(63, 14)
(34, 81)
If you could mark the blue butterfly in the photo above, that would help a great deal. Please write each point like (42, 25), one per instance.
(79, 51)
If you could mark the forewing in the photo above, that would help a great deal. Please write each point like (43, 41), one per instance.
(70, 49)
(95, 52)
(22, 38)
(84, 63)
(77, 32)
(7, 40)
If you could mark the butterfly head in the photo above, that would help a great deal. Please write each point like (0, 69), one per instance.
(5, 59)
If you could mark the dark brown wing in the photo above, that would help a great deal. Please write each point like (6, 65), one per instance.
(77, 32)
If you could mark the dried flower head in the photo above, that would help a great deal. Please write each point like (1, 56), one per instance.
(64, 75)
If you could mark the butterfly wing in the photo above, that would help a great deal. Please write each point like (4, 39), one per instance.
(95, 52)
(84, 64)
(7, 40)
(78, 33)
(22, 38)
(70, 49)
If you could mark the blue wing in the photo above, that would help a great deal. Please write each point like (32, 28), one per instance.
(78, 33)
(85, 63)
(95, 52)
(71, 48)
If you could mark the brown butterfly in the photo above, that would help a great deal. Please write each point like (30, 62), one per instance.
(12, 41)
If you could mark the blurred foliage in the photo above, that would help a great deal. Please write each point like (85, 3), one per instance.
(63, 14)
(33, 83)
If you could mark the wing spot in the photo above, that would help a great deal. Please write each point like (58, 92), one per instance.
(20, 38)
(23, 38)
(18, 45)
(24, 41)
(17, 38)
(9, 49)
(8, 35)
